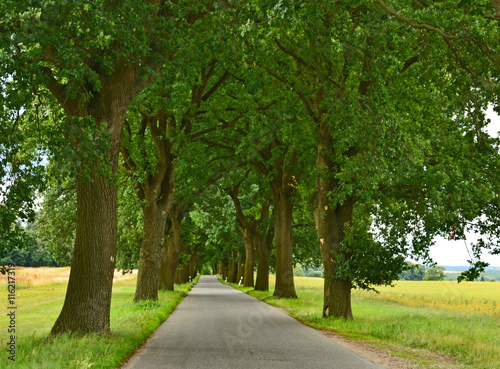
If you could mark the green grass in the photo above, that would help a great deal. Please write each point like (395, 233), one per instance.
(412, 319)
(39, 307)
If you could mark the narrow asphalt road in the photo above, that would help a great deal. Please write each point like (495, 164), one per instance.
(217, 326)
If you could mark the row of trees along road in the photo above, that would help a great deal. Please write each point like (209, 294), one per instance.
(363, 121)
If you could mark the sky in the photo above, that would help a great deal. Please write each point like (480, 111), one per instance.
(454, 253)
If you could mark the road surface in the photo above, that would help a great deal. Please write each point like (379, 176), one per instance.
(217, 326)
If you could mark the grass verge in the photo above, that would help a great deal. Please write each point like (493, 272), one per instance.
(406, 330)
(131, 325)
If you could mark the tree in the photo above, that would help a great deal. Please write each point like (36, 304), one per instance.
(93, 59)
(414, 272)
(213, 214)
(22, 175)
(198, 168)
(277, 154)
(183, 105)
(383, 159)
(32, 253)
(470, 35)
(254, 219)
(434, 274)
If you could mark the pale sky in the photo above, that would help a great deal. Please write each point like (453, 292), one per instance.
(454, 253)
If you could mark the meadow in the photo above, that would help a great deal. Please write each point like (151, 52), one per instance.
(39, 298)
(413, 319)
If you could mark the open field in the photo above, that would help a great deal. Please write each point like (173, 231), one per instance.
(30, 277)
(39, 298)
(412, 320)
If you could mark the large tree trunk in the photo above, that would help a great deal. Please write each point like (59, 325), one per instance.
(88, 296)
(158, 192)
(184, 273)
(249, 258)
(249, 231)
(169, 262)
(330, 224)
(263, 248)
(283, 238)
(193, 265)
(171, 253)
(155, 218)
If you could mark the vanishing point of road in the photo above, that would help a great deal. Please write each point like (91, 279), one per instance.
(217, 326)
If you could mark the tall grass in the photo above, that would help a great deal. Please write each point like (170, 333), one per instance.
(458, 320)
(40, 304)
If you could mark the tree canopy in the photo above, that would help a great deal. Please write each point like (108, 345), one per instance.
(350, 133)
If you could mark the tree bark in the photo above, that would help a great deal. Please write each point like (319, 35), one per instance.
(283, 238)
(241, 267)
(193, 264)
(263, 248)
(249, 230)
(88, 296)
(184, 273)
(171, 253)
(150, 253)
(231, 269)
(249, 258)
(330, 224)
(157, 192)
(263, 243)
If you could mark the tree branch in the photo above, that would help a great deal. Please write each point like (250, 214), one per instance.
(408, 21)
(71, 106)
(224, 126)
(216, 86)
(293, 54)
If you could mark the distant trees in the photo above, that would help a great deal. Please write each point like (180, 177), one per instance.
(434, 274)
(33, 252)
(415, 272)
(418, 272)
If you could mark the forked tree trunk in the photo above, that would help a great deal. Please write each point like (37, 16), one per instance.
(330, 224)
(263, 248)
(88, 296)
(157, 191)
(283, 239)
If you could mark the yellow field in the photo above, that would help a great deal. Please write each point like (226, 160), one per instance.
(468, 297)
(29, 277)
